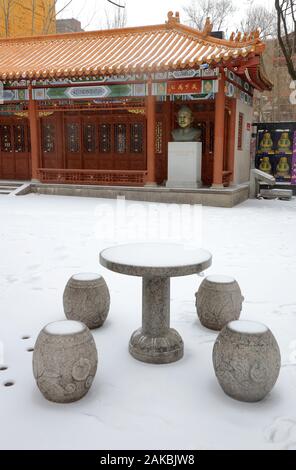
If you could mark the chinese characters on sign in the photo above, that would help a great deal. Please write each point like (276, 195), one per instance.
(184, 87)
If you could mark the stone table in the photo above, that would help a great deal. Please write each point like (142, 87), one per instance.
(156, 263)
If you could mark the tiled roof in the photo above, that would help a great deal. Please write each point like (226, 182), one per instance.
(170, 46)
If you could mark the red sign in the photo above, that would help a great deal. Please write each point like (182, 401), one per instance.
(248, 126)
(183, 87)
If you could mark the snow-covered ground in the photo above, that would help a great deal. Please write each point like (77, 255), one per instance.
(44, 240)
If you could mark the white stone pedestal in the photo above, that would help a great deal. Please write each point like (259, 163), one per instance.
(184, 165)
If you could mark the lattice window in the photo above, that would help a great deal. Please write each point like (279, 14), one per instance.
(159, 137)
(19, 138)
(105, 138)
(136, 137)
(73, 137)
(6, 142)
(120, 138)
(240, 131)
(89, 137)
(48, 138)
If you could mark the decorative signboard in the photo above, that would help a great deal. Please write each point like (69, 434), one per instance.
(184, 87)
(276, 153)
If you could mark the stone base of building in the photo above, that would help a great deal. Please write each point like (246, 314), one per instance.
(226, 197)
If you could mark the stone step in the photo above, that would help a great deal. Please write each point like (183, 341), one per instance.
(4, 192)
(8, 188)
(11, 183)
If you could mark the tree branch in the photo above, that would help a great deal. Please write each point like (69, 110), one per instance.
(116, 4)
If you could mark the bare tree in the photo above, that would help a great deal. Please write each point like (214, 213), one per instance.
(11, 8)
(259, 17)
(286, 32)
(6, 8)
(219, 11)
(51, 12)
(116, 4)
(116, 17)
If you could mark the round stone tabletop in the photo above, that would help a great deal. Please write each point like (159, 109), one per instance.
(155, 259)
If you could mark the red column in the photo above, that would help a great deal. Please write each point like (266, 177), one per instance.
(151, 121)
(33, 120)
(219, 134)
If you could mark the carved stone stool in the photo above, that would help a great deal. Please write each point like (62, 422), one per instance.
(65, 361)
(218, 301)
(87, 299)
(247, 360)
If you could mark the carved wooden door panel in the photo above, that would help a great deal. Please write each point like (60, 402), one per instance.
(51, 141)
(21, 150)
(122, 142)
(7, 151)
(105, 144)
(14, 149)
(90, 142)
(73, 142)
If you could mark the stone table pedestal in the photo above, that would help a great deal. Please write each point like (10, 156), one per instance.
(155, 342)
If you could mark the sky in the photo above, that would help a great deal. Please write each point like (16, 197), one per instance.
(139, 12)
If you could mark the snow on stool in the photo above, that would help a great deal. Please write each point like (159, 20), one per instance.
(218, 301)
(65, 361)
(87, 299)
(247, 360)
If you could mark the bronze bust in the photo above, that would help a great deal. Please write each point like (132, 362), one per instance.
(185, 132)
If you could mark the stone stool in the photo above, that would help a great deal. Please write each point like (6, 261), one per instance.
(65, 361)
(218, 301)
(87, 299)
(247, 360)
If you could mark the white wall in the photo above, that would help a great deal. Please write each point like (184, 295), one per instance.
(242, 160)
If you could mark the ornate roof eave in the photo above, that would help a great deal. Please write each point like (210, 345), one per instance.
(53, 52)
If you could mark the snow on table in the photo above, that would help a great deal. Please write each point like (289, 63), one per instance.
(170, 259)
(44, 240)
(155, 255)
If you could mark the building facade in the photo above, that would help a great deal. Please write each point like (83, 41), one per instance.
(69, 25)
(99, 107)
(278, 104)
(27, 17)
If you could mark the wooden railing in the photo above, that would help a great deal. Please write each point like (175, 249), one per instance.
(93, 177)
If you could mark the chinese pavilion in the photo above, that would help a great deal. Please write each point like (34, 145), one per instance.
(99, 107)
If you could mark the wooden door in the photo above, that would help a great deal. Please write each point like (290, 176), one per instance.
(21, 150)
(7, 152)
(129, 143)
(90, 142)
(114, 142)
(51, 141)
(73, 144)
(14, 149)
